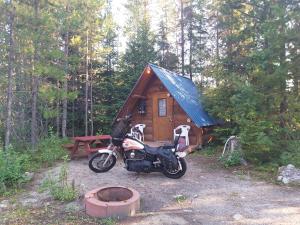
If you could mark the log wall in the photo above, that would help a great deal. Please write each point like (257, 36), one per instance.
(179, 116)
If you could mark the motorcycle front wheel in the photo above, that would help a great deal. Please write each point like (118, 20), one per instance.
(176, 174)
(102, 162)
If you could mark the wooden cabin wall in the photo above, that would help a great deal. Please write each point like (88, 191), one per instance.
(154, 86)
(179, 116)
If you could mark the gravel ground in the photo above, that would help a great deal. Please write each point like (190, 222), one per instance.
(213, 195)
(210, 195)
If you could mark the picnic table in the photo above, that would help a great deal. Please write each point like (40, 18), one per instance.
(90, 144)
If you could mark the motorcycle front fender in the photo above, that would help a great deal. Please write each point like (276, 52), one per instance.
(108, 151)
(181, 154)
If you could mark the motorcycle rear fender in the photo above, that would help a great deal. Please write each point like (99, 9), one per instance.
(108, 151)
(181, 154)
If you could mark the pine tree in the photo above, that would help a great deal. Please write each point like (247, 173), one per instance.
(140, 49)
(10, 35)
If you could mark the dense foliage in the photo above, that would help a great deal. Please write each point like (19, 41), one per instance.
(62, 66)
(15, 163)
(257, 80)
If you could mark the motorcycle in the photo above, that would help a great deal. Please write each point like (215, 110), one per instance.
(137, 156)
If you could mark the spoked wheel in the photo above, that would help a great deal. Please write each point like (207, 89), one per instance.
(102, 162)
(177, 173)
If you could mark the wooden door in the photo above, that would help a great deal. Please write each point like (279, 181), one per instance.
(162, 117)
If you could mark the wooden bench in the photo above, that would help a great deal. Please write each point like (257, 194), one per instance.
(90, 144)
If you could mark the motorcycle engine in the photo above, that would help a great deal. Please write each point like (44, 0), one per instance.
(138, 161)
(135, 154)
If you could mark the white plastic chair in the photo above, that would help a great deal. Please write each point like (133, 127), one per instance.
(140, 135)
(184, 133)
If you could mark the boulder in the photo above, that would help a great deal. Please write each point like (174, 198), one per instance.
(4, 204)
(237, 216)
(28, 176)
(289, 174)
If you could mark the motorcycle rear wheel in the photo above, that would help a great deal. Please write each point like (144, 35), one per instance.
(176, 174)
(97, 160)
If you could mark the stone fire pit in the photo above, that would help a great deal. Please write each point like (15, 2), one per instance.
(112, 202)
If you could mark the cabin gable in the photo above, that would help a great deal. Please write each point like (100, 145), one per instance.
(157, 100)
(179, 117)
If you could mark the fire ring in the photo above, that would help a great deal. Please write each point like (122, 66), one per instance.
(112, 202)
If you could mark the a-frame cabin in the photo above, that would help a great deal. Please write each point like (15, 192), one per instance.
(163, 100)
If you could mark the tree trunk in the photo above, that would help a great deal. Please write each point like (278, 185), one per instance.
(34, 134)
(217, 38)
(8, 121)
(65, 99)
(182, 36)
(86, 83)
(191, 43)
(73, 106)
(283, 108)
(217, 47)
(91, 107)
(58, 113)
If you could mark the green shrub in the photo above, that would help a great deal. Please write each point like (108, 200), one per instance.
(63, 193)
(108, 221)
(291, 155)
(50, 150)
(210, 150)
(59, 188)
(180, 198)
(15, 161)
(13, 165)
(232, 159)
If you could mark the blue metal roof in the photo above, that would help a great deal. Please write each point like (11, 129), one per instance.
(185, 92)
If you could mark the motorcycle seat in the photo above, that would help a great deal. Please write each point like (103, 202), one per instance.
(168, 146)
(152, 150)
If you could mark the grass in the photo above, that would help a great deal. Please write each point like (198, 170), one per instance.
(180, 198)
(210, 150)
(53, 214)
(15, 162)
(265, 171)
(59, 187)
(232, 159)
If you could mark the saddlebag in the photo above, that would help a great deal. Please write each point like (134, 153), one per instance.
(168, 159)
(139, 165)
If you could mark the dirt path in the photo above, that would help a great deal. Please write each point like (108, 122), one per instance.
(213, 195)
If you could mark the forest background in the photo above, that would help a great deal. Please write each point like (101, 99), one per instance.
(66, 67)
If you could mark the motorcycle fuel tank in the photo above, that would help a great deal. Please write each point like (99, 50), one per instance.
(130, 144)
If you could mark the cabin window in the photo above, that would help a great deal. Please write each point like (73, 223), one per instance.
(142, 107)
(162, 107)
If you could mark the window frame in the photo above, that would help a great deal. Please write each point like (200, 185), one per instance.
(165, 109)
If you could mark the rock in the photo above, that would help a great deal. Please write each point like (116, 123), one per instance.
(285, 180)
(237, 216)
(178, 196)
(243, 162)
(4, 204)
(28, 176)
(29, 202)
(289, 174)
(74, 207)
(290, 166)
(188, 210)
